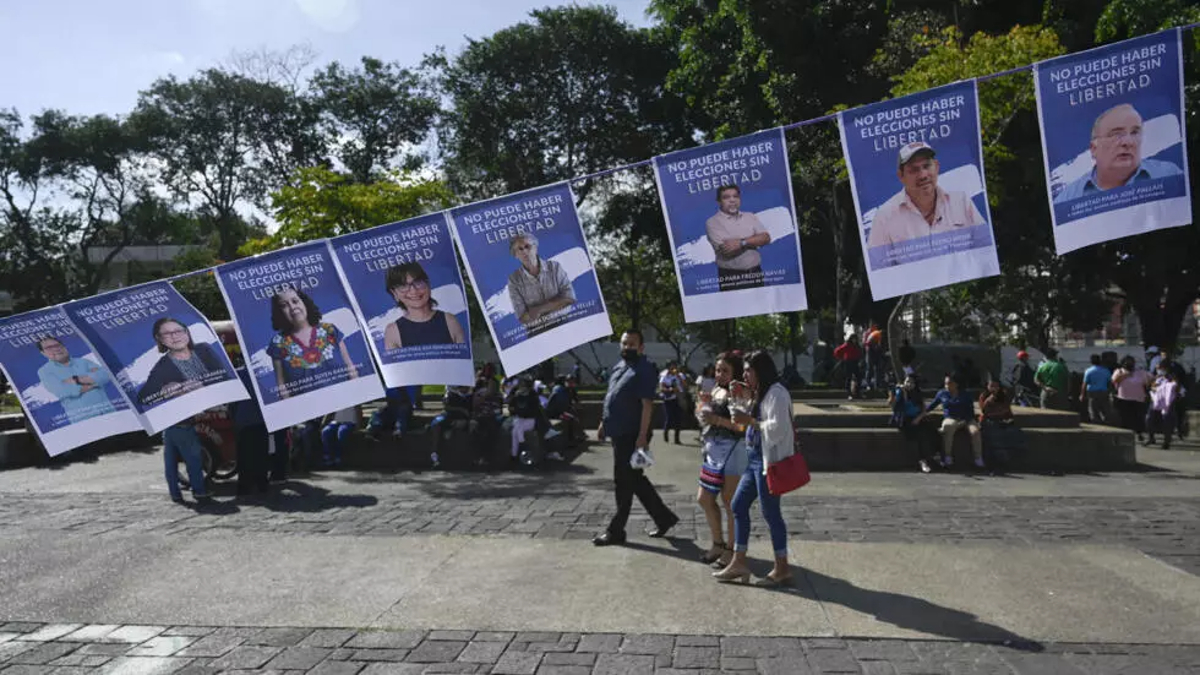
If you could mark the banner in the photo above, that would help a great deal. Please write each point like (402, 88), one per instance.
(169, 363)
(732, 225)
(528, 261)
(1113, 140)
(67, 393)
(301, 340)
(916, 172)
(406, 289)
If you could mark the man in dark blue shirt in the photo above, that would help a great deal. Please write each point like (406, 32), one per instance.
(958, 412)
(628, 406)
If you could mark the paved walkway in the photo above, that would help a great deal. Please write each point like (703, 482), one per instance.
(348, 572)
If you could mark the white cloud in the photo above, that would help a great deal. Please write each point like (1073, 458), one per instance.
(336, 16)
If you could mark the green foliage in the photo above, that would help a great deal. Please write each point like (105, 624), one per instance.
(371, 113)
(201, 289)
(223, 141)
(319, 203)
(572, 91)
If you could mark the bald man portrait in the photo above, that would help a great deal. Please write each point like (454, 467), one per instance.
(1116, 148)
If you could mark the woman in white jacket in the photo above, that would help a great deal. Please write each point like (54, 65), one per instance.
(769, 439)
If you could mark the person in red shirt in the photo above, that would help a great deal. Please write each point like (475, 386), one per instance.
(850, 354)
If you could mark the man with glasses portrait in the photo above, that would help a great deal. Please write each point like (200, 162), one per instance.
(539, 288)
(1116, 148)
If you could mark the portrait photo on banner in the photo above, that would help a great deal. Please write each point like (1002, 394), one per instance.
(406, 289)
(1114, 140)
(732, 226)
(166, 358)
(533, 276)
(916, 172)
(68, 394)
(299, 335)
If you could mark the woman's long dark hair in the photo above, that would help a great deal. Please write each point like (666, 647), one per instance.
(765, 372)
(280, 321)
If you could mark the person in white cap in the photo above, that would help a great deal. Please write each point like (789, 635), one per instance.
(922, 208)
(1153, 356)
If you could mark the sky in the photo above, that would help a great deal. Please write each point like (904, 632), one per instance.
(90, 57)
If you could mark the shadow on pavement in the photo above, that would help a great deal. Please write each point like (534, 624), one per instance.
(684, 549)
(905, 611)
(296, 497)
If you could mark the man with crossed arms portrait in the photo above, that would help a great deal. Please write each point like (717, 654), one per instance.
(736, 236)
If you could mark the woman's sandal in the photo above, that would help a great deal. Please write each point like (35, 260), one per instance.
(723, 561)
(708, 557)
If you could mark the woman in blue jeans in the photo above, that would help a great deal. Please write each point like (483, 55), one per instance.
(180, 441)
(769, 438)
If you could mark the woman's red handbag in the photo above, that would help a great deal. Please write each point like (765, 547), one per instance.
(790, 473)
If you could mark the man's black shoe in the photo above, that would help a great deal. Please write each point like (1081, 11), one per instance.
(661, 530)
(608, 539)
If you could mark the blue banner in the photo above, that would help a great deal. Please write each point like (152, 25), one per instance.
(68, 394)
(299, 335)
(1113, 139)
(732, 225)
(916, 171)
(406, 289)
(529, 264)
(166, 358)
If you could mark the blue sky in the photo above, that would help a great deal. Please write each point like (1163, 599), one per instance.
(92, 57)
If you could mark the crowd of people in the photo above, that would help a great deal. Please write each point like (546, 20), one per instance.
(495, 424)
(1149, 400)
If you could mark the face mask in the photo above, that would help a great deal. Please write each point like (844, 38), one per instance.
(629, 354)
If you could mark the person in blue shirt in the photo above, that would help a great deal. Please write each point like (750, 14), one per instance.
(78, 383)
(1094, 392)
(958, 412)
(907, 404)
(628, 405)
(1116, 148)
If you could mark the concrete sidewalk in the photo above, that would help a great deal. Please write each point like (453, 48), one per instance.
(991, 593)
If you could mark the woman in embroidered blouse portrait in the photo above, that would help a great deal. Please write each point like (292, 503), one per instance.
(307, 354)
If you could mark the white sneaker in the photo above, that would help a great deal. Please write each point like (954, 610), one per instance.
(555, 456)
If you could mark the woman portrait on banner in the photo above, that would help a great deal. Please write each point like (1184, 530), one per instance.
(306, 353)
(422, 323)
(184, 366)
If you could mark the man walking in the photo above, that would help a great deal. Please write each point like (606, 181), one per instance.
(628, 406)
(1094, 392)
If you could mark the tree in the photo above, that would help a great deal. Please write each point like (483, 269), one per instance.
(76, 195)
(223, 142)
(1036, 290)
(1158, 273)
(572, 92)
(370, 114)
(318, 203)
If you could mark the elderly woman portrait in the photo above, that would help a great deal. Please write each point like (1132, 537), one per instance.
(184, 366)
(539, 287)
(422, 323)
(307, 354)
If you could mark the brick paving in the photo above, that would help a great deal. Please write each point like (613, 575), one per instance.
(163, 650)
(1165, 528)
